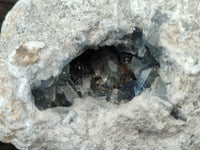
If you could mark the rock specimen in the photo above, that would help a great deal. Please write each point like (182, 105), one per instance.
(163, 116)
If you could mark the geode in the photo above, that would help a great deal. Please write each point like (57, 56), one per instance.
(100, 73)
(39, 38)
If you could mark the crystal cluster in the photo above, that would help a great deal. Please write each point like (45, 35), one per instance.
(115, 73)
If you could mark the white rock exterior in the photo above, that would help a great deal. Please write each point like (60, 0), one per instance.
(55, 31)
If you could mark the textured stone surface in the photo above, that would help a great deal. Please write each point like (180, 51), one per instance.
(150, 121)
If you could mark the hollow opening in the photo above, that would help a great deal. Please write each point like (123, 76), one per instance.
(114, 73)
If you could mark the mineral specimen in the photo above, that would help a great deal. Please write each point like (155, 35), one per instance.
(165, 116)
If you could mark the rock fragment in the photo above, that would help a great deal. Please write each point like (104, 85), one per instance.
(28, 53)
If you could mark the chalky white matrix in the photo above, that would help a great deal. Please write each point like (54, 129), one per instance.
(68, 27)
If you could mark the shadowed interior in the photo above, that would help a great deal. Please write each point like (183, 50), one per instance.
(114, 73)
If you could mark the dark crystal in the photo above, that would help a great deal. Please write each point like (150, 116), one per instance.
(145, 80)
(125, 58)
(126, 92)
(61, 101)
(44, 97)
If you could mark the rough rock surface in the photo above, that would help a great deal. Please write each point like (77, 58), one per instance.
(164, 117)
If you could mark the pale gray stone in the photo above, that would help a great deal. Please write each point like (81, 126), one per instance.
(67, 28)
